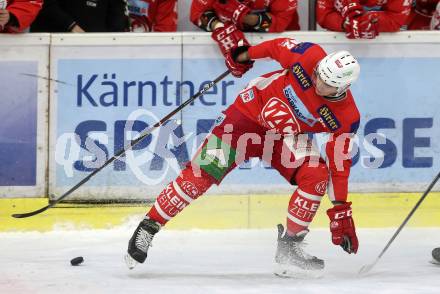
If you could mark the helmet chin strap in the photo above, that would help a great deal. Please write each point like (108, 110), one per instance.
(336, 97)
(340, 94)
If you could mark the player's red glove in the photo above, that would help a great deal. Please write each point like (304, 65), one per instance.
(229, 37)
(342, 227)
(351, 9)
(237, 68)
(233, 10)
(362, 27)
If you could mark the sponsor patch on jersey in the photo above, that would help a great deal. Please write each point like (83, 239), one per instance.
(220, 119)
(216, 157)
(328, 118)
(247, 95)
(301, 76)
(278, 115)
(301, 47)
(298, 106)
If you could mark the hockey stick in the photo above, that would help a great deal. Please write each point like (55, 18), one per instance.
(367, 268)
(143, 135)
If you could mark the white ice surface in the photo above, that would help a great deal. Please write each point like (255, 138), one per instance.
(232, 261)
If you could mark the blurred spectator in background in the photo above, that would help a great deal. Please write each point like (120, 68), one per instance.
(435, 21)
(247, 15)
(363, 19)
(17, 15)
(78, 16)
(228, 19)
(152, 15)
(421, 15)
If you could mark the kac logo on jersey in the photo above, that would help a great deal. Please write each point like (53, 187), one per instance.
(301, 76)
(328, 117)
(277, 115)
(247, 96)
(298, 106)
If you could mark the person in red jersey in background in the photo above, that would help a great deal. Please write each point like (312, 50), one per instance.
(435, 20)
(228, 19)
(17, 15)
(273, 16)
(424, 15)
(363, 19)
(152, 15)
(272, 118)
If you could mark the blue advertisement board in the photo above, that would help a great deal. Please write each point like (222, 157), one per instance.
(18, 128)
(398, 99)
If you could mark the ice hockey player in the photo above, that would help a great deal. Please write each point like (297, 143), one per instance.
(271, 119)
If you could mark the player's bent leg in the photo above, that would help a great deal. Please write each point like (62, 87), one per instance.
(312, 182)
(291, 259)
(219, 154)
(173, 199)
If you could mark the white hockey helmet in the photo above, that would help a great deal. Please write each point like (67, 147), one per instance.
(339, 69)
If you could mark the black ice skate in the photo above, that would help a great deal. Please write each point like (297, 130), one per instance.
(436, 256)
(140, 242)
(292, 261)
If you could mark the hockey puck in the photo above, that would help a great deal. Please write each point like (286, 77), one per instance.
(77, 261)
(436, 255)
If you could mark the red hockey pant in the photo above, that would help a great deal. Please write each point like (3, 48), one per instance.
(236, 138)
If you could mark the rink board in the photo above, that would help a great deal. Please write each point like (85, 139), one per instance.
(376, 210)
(24, 98)
(100, 82)
(143, 78)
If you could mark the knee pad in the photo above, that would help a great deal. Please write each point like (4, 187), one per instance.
(312, 179)
(305, 201)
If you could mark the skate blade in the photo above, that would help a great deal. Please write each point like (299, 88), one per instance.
(285, 271)
(130, 262)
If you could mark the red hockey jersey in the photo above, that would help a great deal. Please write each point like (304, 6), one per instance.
(284, 12)
(421, 14)
(285, 100)
(25, 11)
(153, 15)
(392, 15)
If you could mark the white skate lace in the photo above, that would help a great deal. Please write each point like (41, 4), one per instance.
(301, 258)
(143, 240)
(298, 248)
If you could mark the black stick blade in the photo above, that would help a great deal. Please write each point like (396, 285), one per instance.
(28, 214)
